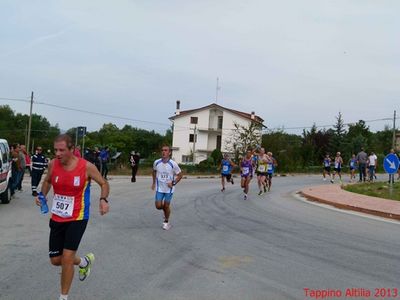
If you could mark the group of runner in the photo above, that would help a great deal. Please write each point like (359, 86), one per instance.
(361, 162)
(255, 162)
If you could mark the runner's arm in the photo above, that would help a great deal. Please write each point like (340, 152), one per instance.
(93, 173)
(178, 177)
(154, 175)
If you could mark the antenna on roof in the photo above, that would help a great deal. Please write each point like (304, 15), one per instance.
(216, 91)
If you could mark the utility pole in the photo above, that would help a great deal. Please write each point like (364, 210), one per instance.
(394, 131)
(29, 124)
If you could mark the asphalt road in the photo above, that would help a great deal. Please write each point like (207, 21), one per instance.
(220, 247)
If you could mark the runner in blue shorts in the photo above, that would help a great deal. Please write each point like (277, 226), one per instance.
(352, 166)
(271, 165)
(338, 167)
(166, 174)
(226, 171)
(246, 172)
(327, 166)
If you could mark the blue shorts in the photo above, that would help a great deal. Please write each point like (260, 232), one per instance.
(167, 197)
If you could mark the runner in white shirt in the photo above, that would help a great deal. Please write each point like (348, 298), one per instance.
(166, 174)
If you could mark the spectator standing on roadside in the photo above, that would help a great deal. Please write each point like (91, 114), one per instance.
(134, 161)
(15, 165)
(391, 176)
(39, 163)
(97, 159)
(22, 162)
(77, 151)
(372, 164)
(27, 159)
(362, 159)
(104, 156)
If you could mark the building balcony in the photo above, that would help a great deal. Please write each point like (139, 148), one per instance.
(216, 130)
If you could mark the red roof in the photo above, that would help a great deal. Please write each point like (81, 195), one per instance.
(214, 105)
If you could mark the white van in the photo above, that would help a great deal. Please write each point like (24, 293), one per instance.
(5, 172)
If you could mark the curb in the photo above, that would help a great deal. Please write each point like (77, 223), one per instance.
(375, 212)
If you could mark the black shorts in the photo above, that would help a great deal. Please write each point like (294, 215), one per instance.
(65, 235)
(269, 175)
(261, 174)
(338, 170)
(327, 169)
(228, 176)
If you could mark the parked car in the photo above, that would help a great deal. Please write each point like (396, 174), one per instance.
(5, 172)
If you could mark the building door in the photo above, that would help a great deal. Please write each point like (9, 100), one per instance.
(219, 140)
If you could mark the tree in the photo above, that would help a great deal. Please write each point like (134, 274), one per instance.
(358, 136)
(339, 135)
(14, 128)
(216, 156)
(242, 138)
(285, 147)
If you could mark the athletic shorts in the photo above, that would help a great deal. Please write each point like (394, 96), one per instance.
(261, 174)
(269, 175)
(338, 170)
(328, 169)
(167, 197)
(228, 176)
(65, 235)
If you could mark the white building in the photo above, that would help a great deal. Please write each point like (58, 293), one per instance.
(197, 132)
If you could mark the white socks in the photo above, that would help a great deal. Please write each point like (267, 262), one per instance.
(83, 263)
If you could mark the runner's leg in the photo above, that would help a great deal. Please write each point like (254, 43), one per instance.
(68, 261)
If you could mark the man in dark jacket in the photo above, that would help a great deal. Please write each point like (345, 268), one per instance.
(134, 161)
(39, 163)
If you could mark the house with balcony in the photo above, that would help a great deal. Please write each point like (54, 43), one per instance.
(197, 132)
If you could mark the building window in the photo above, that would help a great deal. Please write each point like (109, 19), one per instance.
(192, 138)
(220, 121)
(194, 120)
(219, 140)
(187, 158)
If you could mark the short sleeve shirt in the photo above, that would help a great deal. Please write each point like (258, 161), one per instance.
(166, 172)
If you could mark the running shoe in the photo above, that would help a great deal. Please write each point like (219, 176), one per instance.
(166, 226)
(85, 271)
(265, 188)
(260, 193)
(232, 181)
(332, 181)
(245, 197)
(223, 189)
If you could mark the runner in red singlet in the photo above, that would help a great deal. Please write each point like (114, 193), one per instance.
(70, 177)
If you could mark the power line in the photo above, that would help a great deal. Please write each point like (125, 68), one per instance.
(15, 99)
(101, 114)
(86, 111)
(181, 127)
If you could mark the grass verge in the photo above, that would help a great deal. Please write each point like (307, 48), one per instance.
(377, 189)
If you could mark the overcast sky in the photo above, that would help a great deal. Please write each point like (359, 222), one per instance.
(294, 63)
